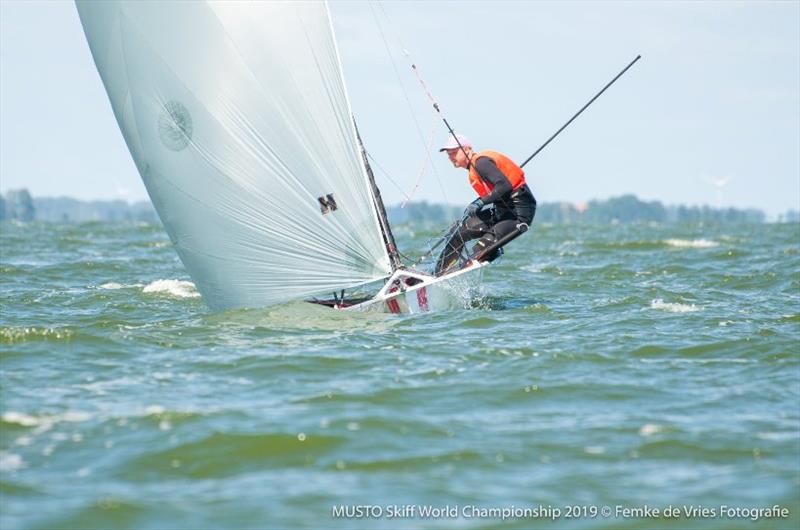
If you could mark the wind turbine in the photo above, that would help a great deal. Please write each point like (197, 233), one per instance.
(719, 183)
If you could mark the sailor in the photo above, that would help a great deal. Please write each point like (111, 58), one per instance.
(504, 208)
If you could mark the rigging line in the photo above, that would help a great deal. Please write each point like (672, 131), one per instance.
(444, 235)
(580, 111)
(431, 134)
(396, 185)
(408, 101)
(433, 101)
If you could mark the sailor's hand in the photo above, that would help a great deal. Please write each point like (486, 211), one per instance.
(474, 207)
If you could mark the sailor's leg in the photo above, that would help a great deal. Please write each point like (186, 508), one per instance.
(525, 212)
(498, 231)
(472, 228)
(524, 205)
(508, 221)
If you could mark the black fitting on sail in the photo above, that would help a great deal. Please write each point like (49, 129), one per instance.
(386, 231)
(327, 203)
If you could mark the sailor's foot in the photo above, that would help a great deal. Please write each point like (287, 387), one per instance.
(491, 256)
(494, 255)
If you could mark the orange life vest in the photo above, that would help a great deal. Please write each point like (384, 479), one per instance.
(507, 167)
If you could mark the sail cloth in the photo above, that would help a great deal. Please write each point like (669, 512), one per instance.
(238, 121)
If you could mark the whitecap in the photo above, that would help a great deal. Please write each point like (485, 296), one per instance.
(672, 307)
(691, 243)
(649, 429)
(14, 334)
(74, 416)
(594, 449)
(20, 418)
(116, 285)
(176, 288)
(44, 422)
(10, 462)
(777, 436)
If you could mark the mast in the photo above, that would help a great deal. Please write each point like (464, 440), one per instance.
(386, 230)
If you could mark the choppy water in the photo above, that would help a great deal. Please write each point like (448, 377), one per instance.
(606, 366)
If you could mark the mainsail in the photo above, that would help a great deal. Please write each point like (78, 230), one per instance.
(237, 118)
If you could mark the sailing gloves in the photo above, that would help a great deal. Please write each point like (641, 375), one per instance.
(474, 207)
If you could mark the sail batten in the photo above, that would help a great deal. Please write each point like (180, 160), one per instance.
(237, 117)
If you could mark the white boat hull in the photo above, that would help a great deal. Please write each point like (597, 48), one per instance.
(411, 292)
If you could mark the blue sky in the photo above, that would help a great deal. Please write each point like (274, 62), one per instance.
(716, 95)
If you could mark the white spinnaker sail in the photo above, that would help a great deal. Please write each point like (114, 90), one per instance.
(237, 118)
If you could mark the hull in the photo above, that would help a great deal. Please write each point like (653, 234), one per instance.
(408, 292)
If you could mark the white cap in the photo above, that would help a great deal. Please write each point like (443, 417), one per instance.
(451, 143)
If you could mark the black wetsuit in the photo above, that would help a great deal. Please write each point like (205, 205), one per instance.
(510, 208)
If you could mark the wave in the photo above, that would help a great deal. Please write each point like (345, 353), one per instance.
(404, 463)
(9, 488)
(708, 451)
(691, 243)
(210, 456)
(672, 307)
(10, 462)
(176, 288)
(651, 244)
(623, 245)
(12, 421)
(115, 285)
(14, 335)
(104, 511)
(650, 429)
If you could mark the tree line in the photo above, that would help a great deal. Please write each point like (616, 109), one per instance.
(624, 209)
(20, 205)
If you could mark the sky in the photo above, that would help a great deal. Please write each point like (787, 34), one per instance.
(715, 97)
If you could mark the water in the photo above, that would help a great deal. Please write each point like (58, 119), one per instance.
(617, 366)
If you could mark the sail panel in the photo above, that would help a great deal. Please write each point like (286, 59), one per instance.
(236, 116)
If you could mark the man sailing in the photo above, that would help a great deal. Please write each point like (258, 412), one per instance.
(498, 181)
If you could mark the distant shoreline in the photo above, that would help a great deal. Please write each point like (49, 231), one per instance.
(20, 205)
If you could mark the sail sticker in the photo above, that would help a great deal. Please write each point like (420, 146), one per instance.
(327, 203)
(175, 126)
